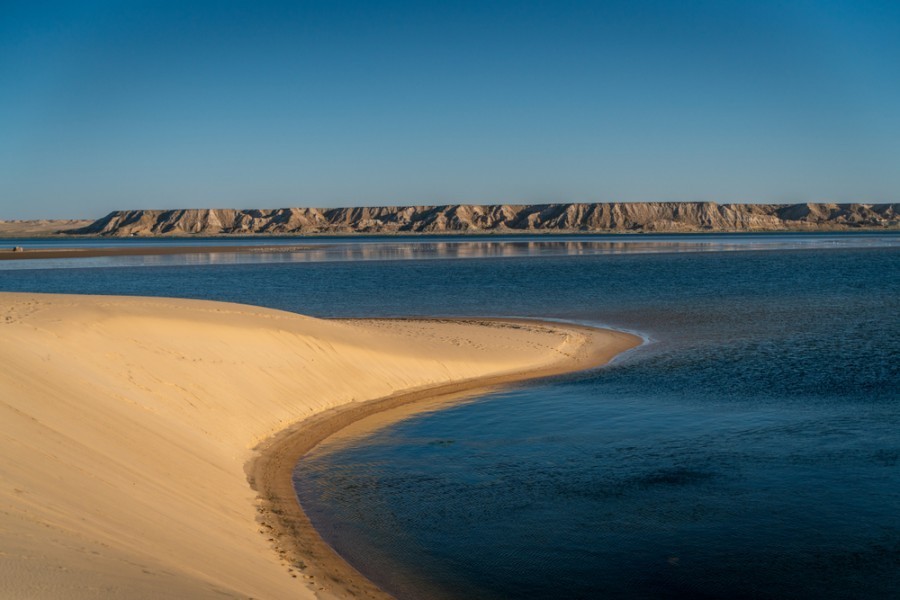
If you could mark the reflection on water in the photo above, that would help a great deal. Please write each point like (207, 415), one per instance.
(301, 250)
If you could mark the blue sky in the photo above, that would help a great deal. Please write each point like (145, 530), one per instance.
(130, 104)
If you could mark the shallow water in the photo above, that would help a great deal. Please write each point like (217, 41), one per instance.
(751, 449)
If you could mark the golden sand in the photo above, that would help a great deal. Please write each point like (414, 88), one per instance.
(134, 430)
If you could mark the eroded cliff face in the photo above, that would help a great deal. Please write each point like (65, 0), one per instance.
(505, 218)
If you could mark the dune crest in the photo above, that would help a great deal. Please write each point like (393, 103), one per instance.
(126, 425)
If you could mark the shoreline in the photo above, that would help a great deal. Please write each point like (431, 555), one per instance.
(270, 471)
(132, 428)
(71, 253)
(281, 244)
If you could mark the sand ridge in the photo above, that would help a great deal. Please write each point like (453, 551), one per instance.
(126, 426)
(27, 253)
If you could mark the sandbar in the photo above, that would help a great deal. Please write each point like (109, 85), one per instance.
(157, 250)
(146, 442)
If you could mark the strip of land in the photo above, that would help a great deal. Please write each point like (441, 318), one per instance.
(44, 253)
(147, 443)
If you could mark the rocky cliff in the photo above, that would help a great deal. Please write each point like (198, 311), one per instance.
(609, 217)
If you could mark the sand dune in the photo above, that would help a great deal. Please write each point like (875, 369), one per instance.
(126, 426)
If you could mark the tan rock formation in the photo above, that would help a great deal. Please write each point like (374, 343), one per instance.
(562, 218)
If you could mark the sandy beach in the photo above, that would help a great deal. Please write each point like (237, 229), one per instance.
(147, 443)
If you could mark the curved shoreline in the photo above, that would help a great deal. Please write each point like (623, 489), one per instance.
(130, 425)
(279, 513)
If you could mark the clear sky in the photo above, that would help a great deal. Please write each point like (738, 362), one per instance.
(131, 104)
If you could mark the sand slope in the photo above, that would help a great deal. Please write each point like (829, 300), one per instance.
(126, 425)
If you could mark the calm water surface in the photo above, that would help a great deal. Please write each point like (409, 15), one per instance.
(430, 247)
(750, 450)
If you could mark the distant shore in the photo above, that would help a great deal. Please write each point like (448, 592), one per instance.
(480, 219)
(46, 253)
(142, 435)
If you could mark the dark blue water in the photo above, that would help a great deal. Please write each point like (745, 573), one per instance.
(751, 450)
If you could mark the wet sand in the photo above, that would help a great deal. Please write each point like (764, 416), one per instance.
(270, 473)
(161, 250)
